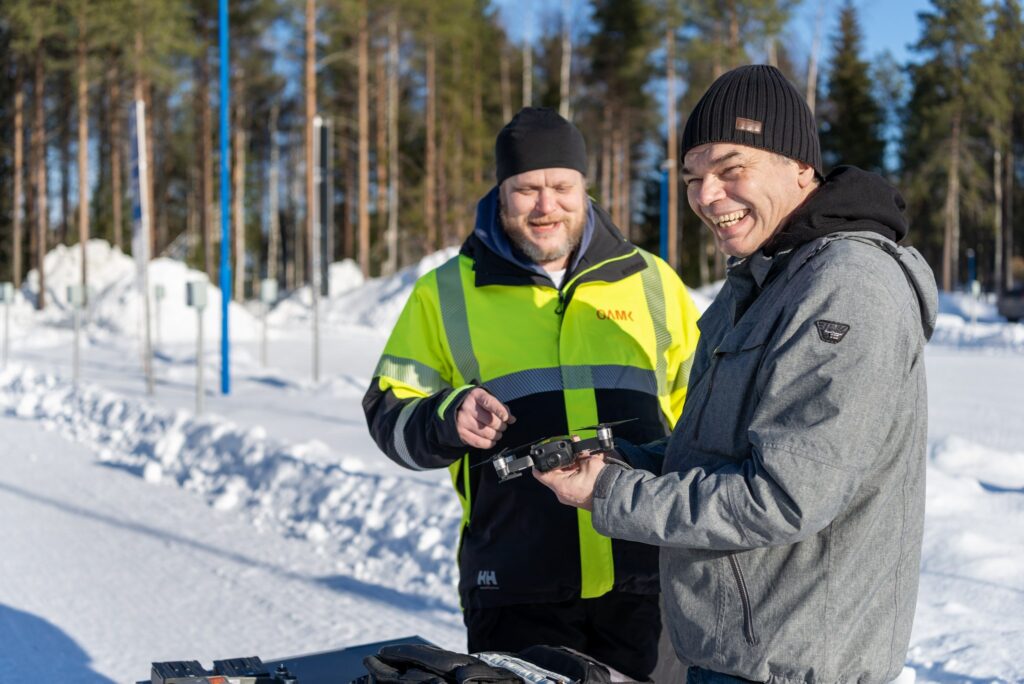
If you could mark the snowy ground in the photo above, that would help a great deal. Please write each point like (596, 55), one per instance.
(135, 530)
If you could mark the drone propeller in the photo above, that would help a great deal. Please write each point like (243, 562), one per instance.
(605, 425)
(514, 451)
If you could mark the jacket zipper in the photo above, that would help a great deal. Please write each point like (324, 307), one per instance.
(748, 617)
(565, 292)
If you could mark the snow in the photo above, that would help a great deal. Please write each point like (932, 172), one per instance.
(136, 530)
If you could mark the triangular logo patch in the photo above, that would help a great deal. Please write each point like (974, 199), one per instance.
(832, 332)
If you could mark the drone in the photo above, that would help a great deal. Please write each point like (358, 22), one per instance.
(554, 452)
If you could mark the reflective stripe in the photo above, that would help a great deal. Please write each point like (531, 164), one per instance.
(456, 322)
(400, 446)
(655, 294)
(683, 376)
(597, 562)
(460, 470)
(410, 372)
(450, 398)
(536, 380)
(597, 566)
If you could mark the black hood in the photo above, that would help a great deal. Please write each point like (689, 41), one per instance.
(849, 200)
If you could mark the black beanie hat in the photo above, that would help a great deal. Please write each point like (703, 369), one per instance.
(538, 138)
(757, 106)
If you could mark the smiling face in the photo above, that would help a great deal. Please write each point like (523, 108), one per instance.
(543, 213)
(744, 194)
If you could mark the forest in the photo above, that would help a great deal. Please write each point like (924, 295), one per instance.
(416, 90)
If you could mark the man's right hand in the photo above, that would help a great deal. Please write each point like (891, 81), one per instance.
(482, 419)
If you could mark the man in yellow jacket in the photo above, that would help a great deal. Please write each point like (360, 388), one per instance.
(547, 321)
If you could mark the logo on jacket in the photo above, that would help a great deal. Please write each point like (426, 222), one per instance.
(832, 332)
(614, 315)
(487, 579)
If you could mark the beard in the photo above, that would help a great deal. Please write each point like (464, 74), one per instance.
(518, 231)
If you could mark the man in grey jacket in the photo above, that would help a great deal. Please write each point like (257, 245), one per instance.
(789, 507)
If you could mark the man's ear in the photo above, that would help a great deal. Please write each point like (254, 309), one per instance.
(805, 175)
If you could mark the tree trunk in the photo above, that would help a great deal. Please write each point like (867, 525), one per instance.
(443, 219)
(527, 74)
(627, 178)
(238, 190)
(734, 33)
(997, 219)
(478, 117)
(951, 212)
(812, 64)
(19, 163)
(606, 160)
(39, 159)
(430, 158)
(310, 69)
(671, 221)
(616, 189)
(393, 175)
(206, 227)
(1010, 166)
(566, 68)
(350, 181)
(274, 225)
(83, 155)
(295, 260)
(192, 215)
(147, 94)
(381, 129)
(458, 154)
(65, 166)
(140, 92)
(364, 141)
(116, 143)
(506, 86)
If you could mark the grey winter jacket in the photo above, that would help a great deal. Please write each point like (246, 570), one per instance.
(790, 507)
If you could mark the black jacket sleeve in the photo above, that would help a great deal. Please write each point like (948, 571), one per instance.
(412, 431)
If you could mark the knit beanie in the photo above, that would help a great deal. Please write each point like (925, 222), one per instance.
(757, 106)
(538, 138)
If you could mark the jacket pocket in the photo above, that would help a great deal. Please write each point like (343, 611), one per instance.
(748, 614)
(729, 390)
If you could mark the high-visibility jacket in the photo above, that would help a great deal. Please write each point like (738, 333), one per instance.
(614, 343)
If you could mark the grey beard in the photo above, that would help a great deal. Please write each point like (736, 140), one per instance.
(535, 253)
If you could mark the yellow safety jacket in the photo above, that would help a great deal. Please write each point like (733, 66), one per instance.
(614, 343)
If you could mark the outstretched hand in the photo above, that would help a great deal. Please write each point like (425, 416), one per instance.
(482, 419)
(574, 484)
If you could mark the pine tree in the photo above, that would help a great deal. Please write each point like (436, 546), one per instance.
(939, 130)
(1008, 49)
(851, 116)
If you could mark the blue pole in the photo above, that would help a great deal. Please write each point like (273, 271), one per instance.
(663, 230)
(225, 203)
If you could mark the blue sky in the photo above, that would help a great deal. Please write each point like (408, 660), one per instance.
(887, 24)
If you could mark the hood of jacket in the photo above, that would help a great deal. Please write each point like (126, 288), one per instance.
(849, 200)
(850, 205)
(498, 261)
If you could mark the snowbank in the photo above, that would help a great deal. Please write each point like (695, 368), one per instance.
(383, 530)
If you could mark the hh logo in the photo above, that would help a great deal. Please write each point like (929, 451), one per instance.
(487, 578)
(614, 315)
